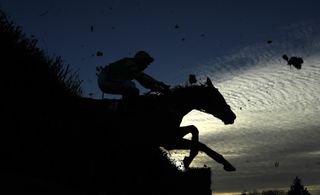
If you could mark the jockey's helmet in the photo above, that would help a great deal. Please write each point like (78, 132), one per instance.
(143, 55)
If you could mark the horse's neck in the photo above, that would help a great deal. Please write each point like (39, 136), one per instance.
(180, 102)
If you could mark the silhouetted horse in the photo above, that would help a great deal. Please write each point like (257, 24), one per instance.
(157, 118)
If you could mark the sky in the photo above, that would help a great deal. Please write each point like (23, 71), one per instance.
(238, 44)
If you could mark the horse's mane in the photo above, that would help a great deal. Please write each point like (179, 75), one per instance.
(186, 86)
(173, 94)
(174, 89)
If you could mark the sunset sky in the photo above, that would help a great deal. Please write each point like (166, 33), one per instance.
(238, 44)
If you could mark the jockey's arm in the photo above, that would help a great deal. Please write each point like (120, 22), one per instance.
(150, 83)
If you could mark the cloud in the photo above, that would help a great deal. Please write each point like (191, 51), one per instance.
(277, 111)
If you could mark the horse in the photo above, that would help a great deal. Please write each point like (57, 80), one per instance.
(157, 118)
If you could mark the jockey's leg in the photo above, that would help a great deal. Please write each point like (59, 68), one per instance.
(129, 90)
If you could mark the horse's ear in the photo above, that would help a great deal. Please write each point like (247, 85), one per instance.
(209, 83)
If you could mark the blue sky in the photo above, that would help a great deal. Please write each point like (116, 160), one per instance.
(226, 40)
(210, 29)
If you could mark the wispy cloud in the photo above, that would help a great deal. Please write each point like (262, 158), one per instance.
(277, 111)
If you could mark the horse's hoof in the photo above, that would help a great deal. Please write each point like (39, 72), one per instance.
(229, 168)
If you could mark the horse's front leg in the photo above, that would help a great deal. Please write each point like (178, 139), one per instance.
(195, 138)
(182, 131)
(188, 144)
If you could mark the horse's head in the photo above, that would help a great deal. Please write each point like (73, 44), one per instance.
(204, 97)
(211, 101)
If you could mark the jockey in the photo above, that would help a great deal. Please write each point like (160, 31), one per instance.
(116, 78)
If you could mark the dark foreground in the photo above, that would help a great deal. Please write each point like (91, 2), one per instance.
(52, 142)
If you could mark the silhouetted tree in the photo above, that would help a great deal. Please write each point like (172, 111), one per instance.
(297, 188)
(273, 192)
(254, 192)
(267, 192)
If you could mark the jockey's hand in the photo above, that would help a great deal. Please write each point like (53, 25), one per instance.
(163, 87)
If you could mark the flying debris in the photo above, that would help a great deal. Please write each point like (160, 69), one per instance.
(285, 57)
(269, 41)
(98, 70)
(192, 79)
(176, 26)
(294, 61)
(45, 13)
(99, 53)
(138, 4)
(91, 28)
